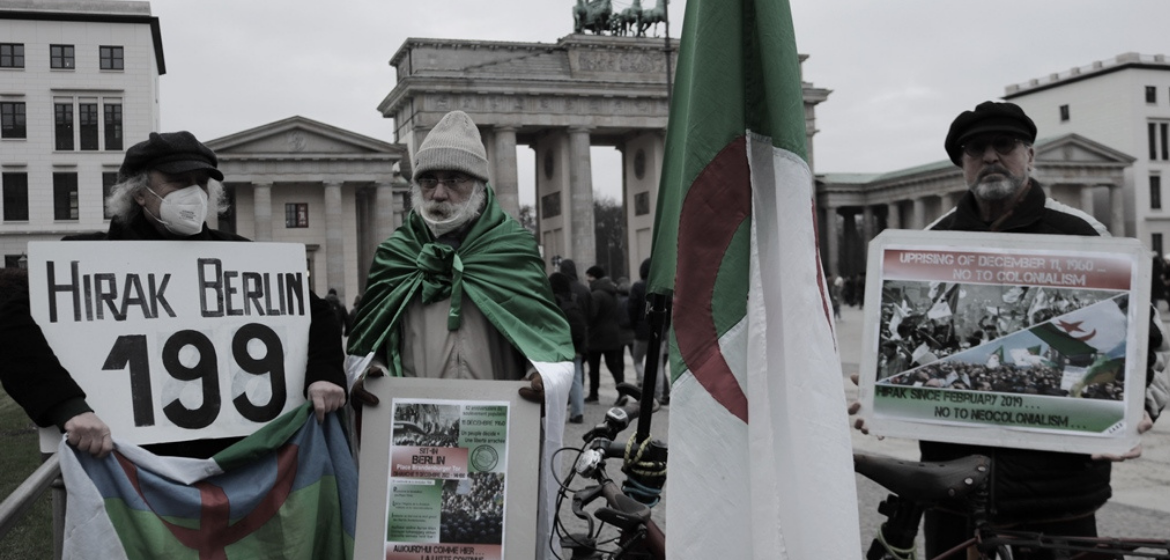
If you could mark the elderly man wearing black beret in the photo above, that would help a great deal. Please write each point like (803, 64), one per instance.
(165, 188)
(1043, 491)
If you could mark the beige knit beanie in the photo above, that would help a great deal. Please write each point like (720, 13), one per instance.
(453, 145)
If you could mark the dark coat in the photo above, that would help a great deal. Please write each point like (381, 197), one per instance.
(37, 381)
(1029, 484)
(604, 329)
(578, 323)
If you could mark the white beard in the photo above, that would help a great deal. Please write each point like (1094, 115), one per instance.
(995, 190)
(444, 217)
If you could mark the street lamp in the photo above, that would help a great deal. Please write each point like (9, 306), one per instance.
(22, 262)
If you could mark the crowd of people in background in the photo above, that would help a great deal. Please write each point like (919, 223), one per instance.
(473, 509)
(1005, 378)
(424, 425)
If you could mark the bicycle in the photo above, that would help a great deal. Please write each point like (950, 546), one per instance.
(964, 483)
(627, 508)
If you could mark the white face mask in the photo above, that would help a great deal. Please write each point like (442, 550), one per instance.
(456, 214)
(182, 212)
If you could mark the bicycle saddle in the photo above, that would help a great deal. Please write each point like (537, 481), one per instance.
(925, 482)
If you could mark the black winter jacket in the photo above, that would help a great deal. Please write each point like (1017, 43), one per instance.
(1029, 485)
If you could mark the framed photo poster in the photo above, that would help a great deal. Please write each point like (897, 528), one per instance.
(449, 468)
(1027, 341)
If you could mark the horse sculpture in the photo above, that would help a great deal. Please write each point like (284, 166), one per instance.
(652, 16)
(592, 16)
(629, 19)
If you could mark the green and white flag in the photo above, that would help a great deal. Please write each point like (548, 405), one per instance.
(759, 439)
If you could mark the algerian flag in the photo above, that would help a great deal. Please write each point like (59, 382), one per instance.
(757, 377)
(289, 491)
(996, 358)
(1026, 357)
(901, 311)
(1098, 328)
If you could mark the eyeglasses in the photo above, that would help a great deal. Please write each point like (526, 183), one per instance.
(454, 181)
(1003, 145)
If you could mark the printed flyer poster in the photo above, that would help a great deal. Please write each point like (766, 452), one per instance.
(448, 461)
(1040, 338)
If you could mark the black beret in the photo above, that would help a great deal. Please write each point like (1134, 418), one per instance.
(173, 153)
(988, 116)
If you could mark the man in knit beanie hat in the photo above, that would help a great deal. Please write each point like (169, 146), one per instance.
(451, 172)
(459, 291)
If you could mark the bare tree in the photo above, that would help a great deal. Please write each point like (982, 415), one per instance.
(528, 218)
(609, 229)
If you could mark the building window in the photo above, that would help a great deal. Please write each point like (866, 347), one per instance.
(1165, 130)
(15, 197)
(1151, 94)
(642, 204)
(65, 196)
(550, 205)
(296, 215)
(61, 56)
(1156, 241)
(11, 55)
(63, 118)
(12, 120)
(1158, 136)
(88, 117)
(111, 58)
(109, 179)
(1064, 113)
(113, 126)
(1155, 192)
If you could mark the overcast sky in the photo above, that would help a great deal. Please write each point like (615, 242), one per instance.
(899, 70)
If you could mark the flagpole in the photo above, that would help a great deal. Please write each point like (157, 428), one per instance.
(658, 315)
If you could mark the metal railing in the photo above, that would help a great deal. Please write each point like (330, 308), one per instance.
(17, 504)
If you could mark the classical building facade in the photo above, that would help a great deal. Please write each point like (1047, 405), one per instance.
(1123, 102)
(854, 208)
(559, 99)
(78, 85)
(301, 181)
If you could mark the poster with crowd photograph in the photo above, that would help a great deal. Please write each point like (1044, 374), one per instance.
(1030, 341)
(443, 458)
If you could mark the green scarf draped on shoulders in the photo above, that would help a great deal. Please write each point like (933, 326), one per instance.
(497, 266)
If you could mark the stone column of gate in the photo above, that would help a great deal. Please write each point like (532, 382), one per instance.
(893, 215)
(1087, 199)
(1116, 211)
(507, 182)
(334, 240)
(262, 211)
(831, 239)
(384, 207)
(583, 243)
(948, 201)
(918, 219)
(868, 230)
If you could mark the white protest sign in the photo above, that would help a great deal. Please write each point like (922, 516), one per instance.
(1041, 343)
(175, 341)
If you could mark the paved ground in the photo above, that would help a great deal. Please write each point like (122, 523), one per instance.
(1140, 507)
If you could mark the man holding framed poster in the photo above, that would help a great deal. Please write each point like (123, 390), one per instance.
(1007, 337)
(166, 185)
(459, 292)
